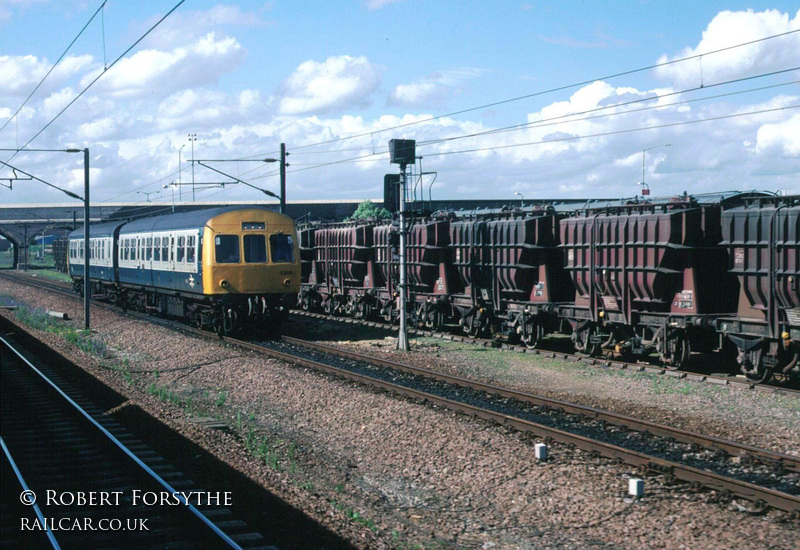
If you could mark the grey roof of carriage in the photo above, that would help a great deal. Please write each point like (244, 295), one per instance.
(184, 220)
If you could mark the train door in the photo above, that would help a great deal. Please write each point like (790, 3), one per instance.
(141, 259)
(172, 248)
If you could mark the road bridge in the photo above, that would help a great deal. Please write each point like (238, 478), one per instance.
(23, 224)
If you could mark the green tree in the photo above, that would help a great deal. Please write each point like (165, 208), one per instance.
(367, 209)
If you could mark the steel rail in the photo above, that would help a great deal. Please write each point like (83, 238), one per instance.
(693, 377)
(726, 485)
(785, 461)
(595, 361)
(743, 489)
(121, 446)
(26, 489)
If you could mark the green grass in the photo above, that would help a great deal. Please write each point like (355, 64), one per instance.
(221, 398)
(53, 274)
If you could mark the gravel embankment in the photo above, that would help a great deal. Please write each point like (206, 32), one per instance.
(390, 473)
(752, 417)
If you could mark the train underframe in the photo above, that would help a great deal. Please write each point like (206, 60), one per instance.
(673, 339)
(223, 315)
(759, 353)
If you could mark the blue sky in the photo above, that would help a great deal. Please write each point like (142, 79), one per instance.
(245, 76)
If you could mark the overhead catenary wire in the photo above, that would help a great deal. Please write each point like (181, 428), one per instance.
(548, 91)
(553, 121)
(524, 125)
(366, 158)
(99, 76)
(54, 66)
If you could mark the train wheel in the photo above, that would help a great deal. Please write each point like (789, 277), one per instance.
(473, 326)
(678, 351)
(582, 339)
(533, 335)
(755, 368)
(434, 321)
(198, 321)
(330, 307)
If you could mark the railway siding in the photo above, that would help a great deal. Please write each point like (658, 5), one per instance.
(415, 474)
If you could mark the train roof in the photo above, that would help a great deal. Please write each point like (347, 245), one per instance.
(106, 229)
(185, 220)
(166, 222)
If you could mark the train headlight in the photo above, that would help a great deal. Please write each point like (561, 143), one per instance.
(224, 283)
(287, 282)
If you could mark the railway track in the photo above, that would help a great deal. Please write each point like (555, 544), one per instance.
(766, 478)
(737, 382)
(57, 443)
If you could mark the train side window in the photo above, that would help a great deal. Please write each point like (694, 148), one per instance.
(281, 247)
(255, 249)
(157, 250)
(164, 249)
(181, 247)
(190, 249)
(226, 249)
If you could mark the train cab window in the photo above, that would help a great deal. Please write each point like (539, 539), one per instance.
(281, 247)
(181, 248)
(226, 249)
(157, 250)
(255, 249)
(190, 249)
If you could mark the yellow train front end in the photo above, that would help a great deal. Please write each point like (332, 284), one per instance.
(251, 265)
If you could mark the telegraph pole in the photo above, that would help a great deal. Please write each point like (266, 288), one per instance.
(283, 178)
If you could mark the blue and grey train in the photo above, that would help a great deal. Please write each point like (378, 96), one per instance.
(220, 269)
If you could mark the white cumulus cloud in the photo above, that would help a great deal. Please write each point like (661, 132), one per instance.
(781, 139)
(336, 83)
(729, 28)
(161, 72)
(433, 89)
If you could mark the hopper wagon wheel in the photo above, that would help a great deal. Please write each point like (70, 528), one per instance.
(583, 342)
(755, 367)
(434, 320)
(533, 335)
(473, 326)
(677, 352)
(330, 306)
(363, 311)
